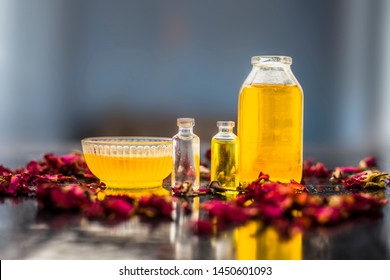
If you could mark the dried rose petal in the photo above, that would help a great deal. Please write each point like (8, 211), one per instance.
(95, 187)
(208, 154)
(367, 179)
(71, 197)
(298, 187)
(19, 184)
(155, 206)
(349, 169)
(327, 215)
(118, 207)
(337, 176)
(243, 199)
(363, 203)
(4, 170)
(270, 212)
(94, 210)
(53, 178)
(335, 209)
(202, 227)
(226, 212)
(368, 163)
(88, 174)
(204, 172)
(340, 173)
(68, 164)
(355, 181)
(300, 200)
(311, 169)
(33, 167)
(203, 190)
(62, 200)
(321, 170)
(262, 178)
(307, 168)
(184, 189)
(15, 185)
(186, 206)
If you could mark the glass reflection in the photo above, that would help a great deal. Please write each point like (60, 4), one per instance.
(181, 237)
(253, 242)
(160, 191)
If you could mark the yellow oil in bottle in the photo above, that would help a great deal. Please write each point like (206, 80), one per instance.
(224, 163)
(130, 172)
(270, 124)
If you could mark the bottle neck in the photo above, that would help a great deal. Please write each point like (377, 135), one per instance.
(185, 130)
(272, 67)
(271, 70)
(271, 73)
(226, 129)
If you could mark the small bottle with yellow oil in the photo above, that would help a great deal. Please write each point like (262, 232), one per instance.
(224, 156)
(186, 155)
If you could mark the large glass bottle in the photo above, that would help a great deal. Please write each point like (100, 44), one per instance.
(186, 154)
(224, 156)
(270, 121)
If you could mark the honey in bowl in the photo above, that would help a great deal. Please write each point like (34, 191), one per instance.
(129, 162)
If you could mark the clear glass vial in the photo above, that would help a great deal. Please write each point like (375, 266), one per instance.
(270, 121)
(225, 156)
(186, 154)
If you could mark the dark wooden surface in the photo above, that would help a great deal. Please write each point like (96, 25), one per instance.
(27, 233)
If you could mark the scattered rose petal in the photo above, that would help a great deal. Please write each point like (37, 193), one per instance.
(208, 154)
(64, 183)
(184, 189)
(226, 212)
(72, 197)
(367, 179)
(202, 227)
(5, 171)
(368, 163)
(15, 185)
(290, 207)
(117, 207)
(311, 169)
(155, 206)
(53, 178)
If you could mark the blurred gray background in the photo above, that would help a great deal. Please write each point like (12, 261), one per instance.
(72, 68)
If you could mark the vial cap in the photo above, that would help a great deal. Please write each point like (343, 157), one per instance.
(270, 59)
(229, 124)
(186, 122)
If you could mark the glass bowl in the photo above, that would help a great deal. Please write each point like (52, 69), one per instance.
(129, 162)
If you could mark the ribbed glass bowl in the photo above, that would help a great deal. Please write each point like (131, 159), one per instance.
(129, 162)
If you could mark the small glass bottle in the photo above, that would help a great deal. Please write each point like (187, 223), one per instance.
(224, 156)
(186, 154)
(270, 121)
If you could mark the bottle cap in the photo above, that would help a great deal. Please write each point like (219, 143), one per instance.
(186, 122)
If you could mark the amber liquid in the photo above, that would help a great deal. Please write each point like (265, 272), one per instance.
(224, 163)
(270, 125)
(130, 172)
